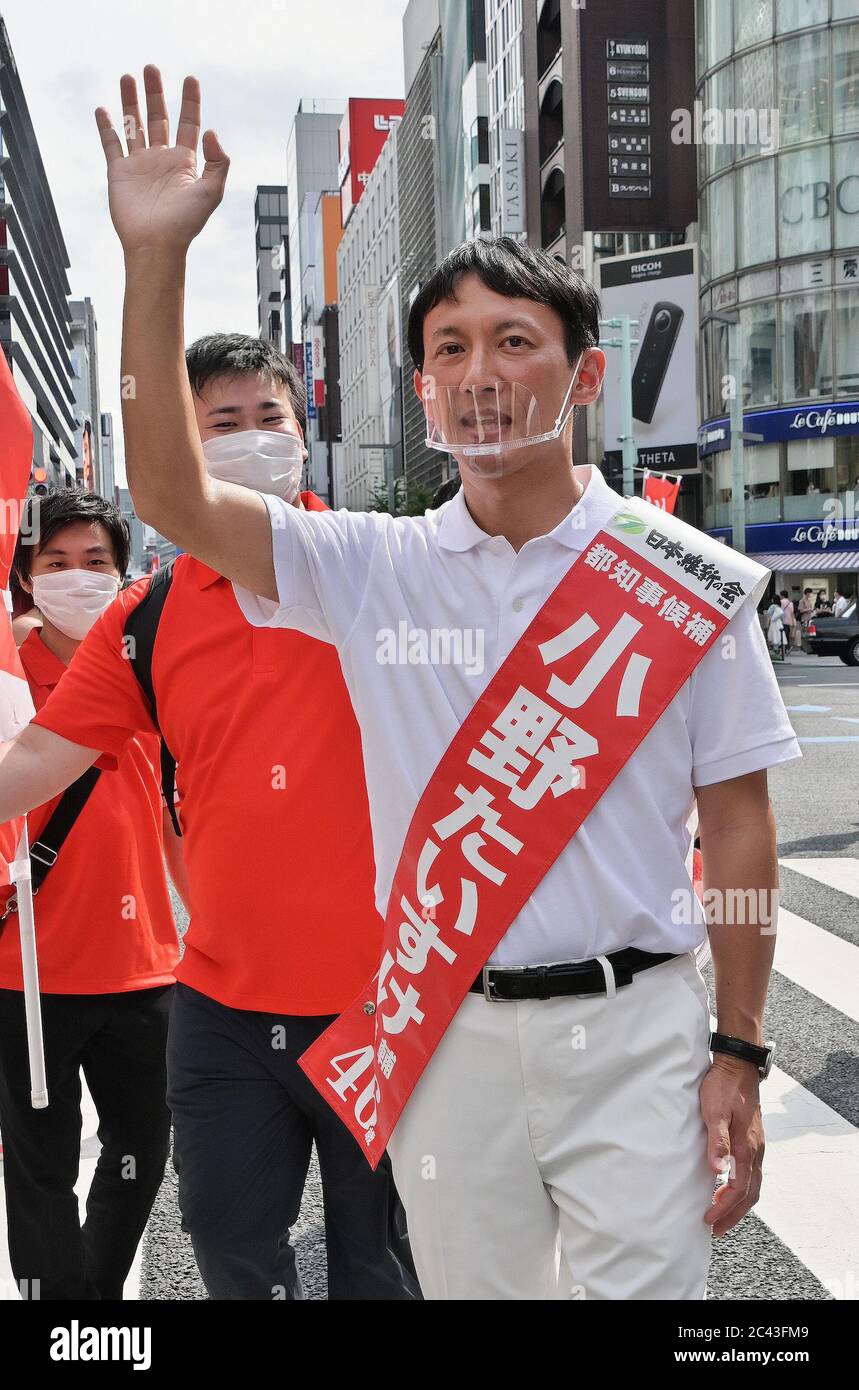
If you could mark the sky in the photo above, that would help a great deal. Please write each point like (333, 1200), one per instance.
(255, 59)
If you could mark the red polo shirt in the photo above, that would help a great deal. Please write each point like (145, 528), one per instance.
(273, 803)
(104, 923)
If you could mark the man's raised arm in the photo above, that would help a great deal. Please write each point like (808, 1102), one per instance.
(158, 204)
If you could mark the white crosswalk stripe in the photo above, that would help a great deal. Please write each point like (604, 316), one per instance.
(822, 964)
(810, 1194)
(842, 874)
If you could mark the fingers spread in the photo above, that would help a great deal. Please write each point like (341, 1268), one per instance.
(188, 132)
(217, 164)
(131, 118)
(111, 143)
(157, 118)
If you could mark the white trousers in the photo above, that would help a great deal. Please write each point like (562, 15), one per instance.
(555, 1148)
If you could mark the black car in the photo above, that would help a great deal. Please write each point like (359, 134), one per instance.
(836, 636)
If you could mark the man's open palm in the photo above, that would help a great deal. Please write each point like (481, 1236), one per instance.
(157, 199)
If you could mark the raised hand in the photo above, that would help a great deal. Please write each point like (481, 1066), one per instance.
(157, 199)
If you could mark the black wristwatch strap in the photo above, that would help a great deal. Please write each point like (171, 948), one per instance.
(745, 1051)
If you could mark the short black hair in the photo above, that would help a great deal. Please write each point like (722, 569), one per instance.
(509, 268)
(43, 517)
(238, 354)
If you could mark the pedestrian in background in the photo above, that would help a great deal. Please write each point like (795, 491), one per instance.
(775, 627)
(842, 602)
(788, 618)
(107, 951)
(806, 607)
(274, 816)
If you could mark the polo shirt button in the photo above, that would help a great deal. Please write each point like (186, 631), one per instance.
(518, 605)
(369, 1008)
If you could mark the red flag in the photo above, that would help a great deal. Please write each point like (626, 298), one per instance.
(662, 492)
(16, 456)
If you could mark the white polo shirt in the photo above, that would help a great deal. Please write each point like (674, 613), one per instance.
(389, 592)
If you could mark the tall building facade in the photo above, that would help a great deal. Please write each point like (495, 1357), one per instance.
(314, 230)
(506, 119)
(88, 411)
(779, 219)
(271, 235)
(311, 168)
(370, 339)
(602, 175)
(108, 487)
(35, 318)
(419, 190)
(443, 175)
(321, 239)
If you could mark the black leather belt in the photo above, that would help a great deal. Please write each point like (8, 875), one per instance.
(549, 981)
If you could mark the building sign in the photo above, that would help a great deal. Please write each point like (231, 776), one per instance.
(634, 175)
(308, 380)
(627, 70)
(791, 422)
(369, 315)
(364, 129)
(391, 370)
(658, 289)
(797, 537)
(317, 343)
(814, 200)
(622, 113)
(512, 182)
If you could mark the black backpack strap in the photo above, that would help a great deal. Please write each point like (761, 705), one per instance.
(141, 626)
(45, 851)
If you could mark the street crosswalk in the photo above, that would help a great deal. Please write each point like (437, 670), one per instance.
(810, 1196)
(807, 1218)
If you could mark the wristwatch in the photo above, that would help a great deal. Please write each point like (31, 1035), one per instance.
(745, 1051)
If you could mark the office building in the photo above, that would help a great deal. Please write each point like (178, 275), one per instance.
(87, 413)
(780, 254)
(271, 232)
(35, 317)
(506, 119)
(371, 453)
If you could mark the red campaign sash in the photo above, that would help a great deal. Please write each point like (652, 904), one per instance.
(602, 660)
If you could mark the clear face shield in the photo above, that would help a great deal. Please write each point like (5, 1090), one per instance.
(488, 425)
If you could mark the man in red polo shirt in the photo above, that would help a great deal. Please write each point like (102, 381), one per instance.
(107, 952)
(274, 815)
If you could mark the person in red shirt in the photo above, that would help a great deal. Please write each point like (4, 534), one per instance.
(284, 931)
(107, 950)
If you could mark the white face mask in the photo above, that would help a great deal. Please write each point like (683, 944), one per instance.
(265, 460)
(73, 600)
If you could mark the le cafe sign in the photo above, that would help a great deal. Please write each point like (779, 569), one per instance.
(814, 200)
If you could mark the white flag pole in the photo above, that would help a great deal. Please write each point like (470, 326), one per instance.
(20, 875)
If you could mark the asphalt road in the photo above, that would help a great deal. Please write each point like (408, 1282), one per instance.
(816, 805)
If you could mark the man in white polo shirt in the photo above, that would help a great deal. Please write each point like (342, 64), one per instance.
(559, 1130)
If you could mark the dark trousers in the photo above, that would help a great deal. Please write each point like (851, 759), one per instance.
(244, 1120)
(119, 1042)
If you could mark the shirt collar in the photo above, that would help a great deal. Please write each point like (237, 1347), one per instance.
(459, 531)
(40, 664)
(206, 576)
